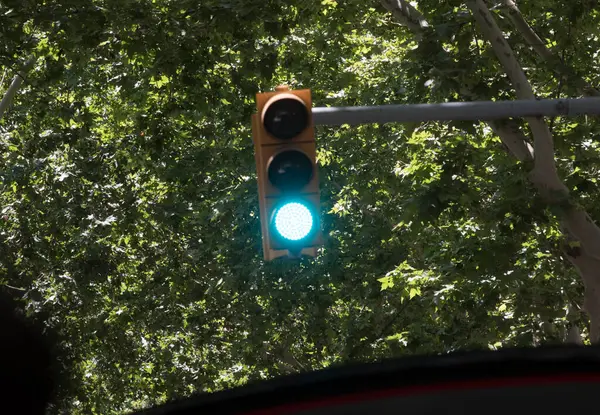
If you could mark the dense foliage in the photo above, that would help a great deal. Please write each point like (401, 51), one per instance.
(129, 220)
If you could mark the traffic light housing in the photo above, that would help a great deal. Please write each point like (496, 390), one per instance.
(288, 184)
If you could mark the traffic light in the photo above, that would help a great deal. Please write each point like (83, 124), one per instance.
(288, 186)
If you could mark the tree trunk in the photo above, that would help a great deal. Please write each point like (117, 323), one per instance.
(576, 223)
(14, 86)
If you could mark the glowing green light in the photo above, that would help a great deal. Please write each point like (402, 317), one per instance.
(293, 221)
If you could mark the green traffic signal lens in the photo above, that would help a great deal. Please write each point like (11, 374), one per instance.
(293, 221)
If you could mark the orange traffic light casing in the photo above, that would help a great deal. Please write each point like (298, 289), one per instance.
(288, 184)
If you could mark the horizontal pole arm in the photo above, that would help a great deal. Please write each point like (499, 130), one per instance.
(473, 110)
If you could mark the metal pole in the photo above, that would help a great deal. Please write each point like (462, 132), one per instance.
(475, 110)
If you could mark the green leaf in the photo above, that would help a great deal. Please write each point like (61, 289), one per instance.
(386, 282)
(414, 292)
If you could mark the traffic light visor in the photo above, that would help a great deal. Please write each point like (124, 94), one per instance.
(293, 221)
(290, 170)
(285, 116)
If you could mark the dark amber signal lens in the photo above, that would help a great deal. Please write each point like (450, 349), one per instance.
(290, 170)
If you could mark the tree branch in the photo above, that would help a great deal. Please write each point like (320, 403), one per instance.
(589, 269)
(502, 49)
(579, 224)
(289, 359)
(513, 138)
(514, 14)
(544, 173)
(358, 348)
(14, 288)
(508, 131)
(576, 223)
(14, 87)
(3, 76)
(407, 15)
(574, 336)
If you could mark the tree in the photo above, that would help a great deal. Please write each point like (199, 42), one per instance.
(129, 210)
(579, 229)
